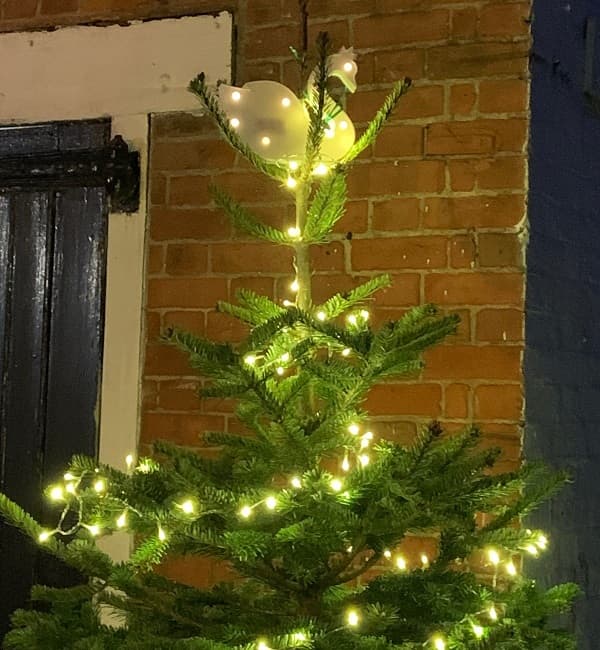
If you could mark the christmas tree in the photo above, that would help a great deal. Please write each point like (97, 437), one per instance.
(309, 508)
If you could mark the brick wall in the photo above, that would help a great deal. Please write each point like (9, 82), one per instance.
(438, 203)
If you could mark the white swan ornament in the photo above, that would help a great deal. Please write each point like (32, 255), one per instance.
(274, 122)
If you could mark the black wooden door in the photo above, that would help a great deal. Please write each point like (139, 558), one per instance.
(53, 229)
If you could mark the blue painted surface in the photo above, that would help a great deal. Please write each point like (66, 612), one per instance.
(562, 355)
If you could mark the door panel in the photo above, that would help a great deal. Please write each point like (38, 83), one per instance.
(52, 277)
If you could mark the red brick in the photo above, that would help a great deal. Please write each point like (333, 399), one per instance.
(474, 211)
(419, 102)
(498, 402)
(456, 400)
(377, 31)
(263, 286)
(271, 41)
(470, 288)
(496, 325)
(477, 60)
(390, 66)
(163, 360)
(404, 291)
(152, 326)
(251, 188)
(464, 23)
(176, 292)
(338, 31)
(464, 362)
(389, 178)
(462, 175)
(181, 223)
(503, 173)
(396, 214)
(192, 154)
(462, 251)
(476, 136)
(223, 327)
(463, 98)
(262, 70)
(503, 96)
(260, 12)
(149, 394)
(398, 141)
(355, 219)
(399, 253)
(58, 6)
(186, 259)
(182, 429)
(327, 257)
(500, 249)
(405, 399)
(505, 19)
(156, 259)
(326, 285)
(158, 189)
(189, 190)
(182, 125)
(190, 321)
(19, 8)
(178, 396)
(251, 257)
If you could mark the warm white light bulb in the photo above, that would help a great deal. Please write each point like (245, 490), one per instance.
(493, 556)
(294, 165)
(365, 441)
(292, 231)
(285, 357)
(162, 536)
(188, 507)
(295, 286)
(336, 484)
(69, 477)
(300, 636)
(424, 560)
(352, 617)
(271, 503)
(291, 182)
(70, 488)
(286, 102)
(250, 359)
(57, 493)
(401, 563)
(346, 352)
(94, 529)
(322, 316)
(354, 429)
(246, 512)
(265, 141)
(387, 554)
(236, 95)
(364, 459)
(343, 125)
(234, 122)
(280, 370)
(321, 169)
(542, 542)
(352, 319)
(493, 613)
(439, 643)
(365, 314)
(511, 569)
(532, 550)
(129, 461)
(262, 646)
(346, 464)
(100, 485)
(348, 66)
(288, 303)
(296, 482)
(44, 536)
(122, 520)
(478, 630)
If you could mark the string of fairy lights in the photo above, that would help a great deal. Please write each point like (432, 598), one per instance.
(504, 567)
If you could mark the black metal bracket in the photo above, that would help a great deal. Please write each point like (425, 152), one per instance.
(590, 90)
(114, 167)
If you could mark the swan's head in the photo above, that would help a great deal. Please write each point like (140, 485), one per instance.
(343, 66)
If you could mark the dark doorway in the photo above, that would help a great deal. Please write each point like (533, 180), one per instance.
(53, 228)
